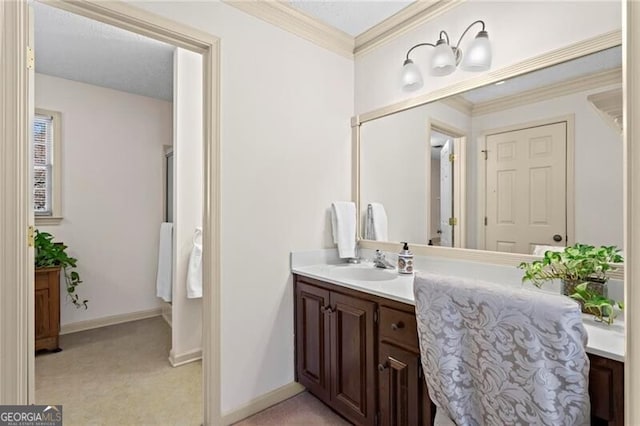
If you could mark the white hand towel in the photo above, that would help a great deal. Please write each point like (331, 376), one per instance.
(540, 250)
(343, 221)
(165, 259)
(377, 222)
(194, 272)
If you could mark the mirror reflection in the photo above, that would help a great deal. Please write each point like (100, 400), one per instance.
(514, 166)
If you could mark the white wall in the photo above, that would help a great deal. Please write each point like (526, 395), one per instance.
(395, 167)
(286, 155)
(598, 159)
(518, 30)
(111, 194)
(186, 335)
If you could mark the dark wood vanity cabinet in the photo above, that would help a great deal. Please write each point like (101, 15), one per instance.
(606, 389)
(403, 396)
(312, 340)
(359, 354)
(335, 344)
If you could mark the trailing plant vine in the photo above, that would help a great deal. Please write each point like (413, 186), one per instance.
(598, 305)
(577, 263)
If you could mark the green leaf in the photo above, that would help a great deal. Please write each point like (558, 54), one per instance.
(579, 262)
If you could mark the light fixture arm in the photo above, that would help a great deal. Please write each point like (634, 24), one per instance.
(446, 35)
(467, 30)
(418, 45)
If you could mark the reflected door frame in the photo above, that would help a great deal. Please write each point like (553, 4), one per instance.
(459, 178)
(570, 173)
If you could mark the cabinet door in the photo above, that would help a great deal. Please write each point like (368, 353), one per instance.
(43, 320)
(47, 308)
(404, 400)
(353, 370)
(312, 339)
(606, 390)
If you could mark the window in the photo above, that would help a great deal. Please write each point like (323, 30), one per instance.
(46, 167)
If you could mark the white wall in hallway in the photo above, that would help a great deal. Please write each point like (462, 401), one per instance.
(112, 192)
(286, 155)
(188, 189)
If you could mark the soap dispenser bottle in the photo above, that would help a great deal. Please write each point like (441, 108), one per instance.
(405, 260)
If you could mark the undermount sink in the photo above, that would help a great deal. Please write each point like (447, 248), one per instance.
(364, 274)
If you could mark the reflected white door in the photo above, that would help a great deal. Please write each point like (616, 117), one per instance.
(526, 189)
(446, 192)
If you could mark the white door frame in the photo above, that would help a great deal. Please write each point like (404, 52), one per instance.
(459, 178)
(631, 140)
(570, 173)
(16, 291)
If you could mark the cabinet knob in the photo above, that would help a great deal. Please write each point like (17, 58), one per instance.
(382, 367)
(397, 326)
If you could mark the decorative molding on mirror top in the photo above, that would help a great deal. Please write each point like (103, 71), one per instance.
(493, 257)
(573, 51)
(288, 18)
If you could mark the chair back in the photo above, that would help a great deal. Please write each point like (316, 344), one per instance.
(499, 355)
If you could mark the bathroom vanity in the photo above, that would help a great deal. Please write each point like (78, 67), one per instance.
(357, 348)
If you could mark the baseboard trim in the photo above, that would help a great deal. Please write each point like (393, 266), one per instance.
(262, 403)
(185, 358)
(110, 320)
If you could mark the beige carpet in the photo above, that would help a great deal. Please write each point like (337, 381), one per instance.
(302, 409)
(120, 375)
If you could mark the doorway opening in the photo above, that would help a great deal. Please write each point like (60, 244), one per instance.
(120, 98)
(447, 159)
(21, 382)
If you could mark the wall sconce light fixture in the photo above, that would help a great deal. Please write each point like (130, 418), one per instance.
(446, 58)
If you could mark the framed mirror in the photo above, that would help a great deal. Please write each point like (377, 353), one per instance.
(513, 166)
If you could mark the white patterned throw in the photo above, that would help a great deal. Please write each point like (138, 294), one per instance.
(499, 355)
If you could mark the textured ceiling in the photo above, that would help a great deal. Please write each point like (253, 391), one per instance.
(586, 65)
(76, 48)
(351, 16)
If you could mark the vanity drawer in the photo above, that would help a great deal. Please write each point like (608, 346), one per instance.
(398, 327)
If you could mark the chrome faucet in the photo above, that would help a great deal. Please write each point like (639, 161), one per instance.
(381, 262)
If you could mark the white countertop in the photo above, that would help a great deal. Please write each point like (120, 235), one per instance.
(604, 340)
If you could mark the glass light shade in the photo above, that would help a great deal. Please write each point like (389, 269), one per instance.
(478, 57)
(443, 61)
(411, 76)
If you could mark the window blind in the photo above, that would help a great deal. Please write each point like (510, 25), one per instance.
(42, 164)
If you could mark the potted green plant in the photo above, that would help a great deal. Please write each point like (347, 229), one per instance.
(49, 254)
(575, 265)
(598, 305)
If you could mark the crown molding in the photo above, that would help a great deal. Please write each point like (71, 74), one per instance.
(562, 88)
(288, 18)
(609, 105)
(296, 22)
(459, 103)
(402, 22)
